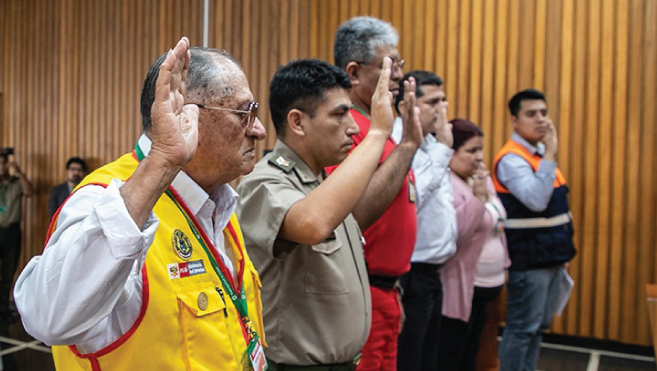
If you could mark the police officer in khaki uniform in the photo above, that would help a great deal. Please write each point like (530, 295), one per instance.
(297, 223)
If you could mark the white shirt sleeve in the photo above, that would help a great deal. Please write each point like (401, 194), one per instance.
(430, 166)
(86, 288)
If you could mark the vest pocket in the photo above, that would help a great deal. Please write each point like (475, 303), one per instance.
(202, 301)
(206, 337)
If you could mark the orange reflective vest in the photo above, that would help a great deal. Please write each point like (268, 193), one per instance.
(535, 239)
(186, 322)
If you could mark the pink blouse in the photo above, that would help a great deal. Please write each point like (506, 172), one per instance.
(475, 225)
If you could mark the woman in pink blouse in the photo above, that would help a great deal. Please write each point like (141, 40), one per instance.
(475, 274)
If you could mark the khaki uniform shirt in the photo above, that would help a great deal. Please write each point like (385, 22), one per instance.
(316, 299)
(10, 201)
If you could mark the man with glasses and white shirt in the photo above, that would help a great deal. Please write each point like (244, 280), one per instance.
(145, 267)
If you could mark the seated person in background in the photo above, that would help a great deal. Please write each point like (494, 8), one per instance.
(76, 169)
(297, 222)
(475, 275)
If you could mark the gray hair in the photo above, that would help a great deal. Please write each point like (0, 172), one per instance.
(209, 70)
(357, 39)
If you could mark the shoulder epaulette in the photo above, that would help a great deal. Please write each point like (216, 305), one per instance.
(282, 162)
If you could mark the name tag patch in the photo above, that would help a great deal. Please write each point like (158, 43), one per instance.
(186, 269)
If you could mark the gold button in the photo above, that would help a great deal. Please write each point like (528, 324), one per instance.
(202, 301)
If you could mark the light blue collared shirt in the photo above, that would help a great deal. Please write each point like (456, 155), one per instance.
(533, 189)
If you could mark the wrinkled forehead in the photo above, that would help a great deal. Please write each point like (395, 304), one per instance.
(228, 85)
(237, 96)
(241, 89)
(385, 50)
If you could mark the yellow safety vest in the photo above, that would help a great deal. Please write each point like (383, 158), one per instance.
(187, 321)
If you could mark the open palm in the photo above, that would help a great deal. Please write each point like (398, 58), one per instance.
(174, 132)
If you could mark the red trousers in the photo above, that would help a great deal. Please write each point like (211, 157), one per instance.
(380, 351)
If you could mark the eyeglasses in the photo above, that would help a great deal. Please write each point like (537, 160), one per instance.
(248, 117)
(398, 63)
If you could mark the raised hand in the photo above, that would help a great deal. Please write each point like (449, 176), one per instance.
(443, 127)
(479, 187)
(174, 132)
(412, 133)
(382, 115)
(551, 140)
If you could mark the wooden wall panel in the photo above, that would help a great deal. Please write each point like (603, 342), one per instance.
(71, 73)
(619, 159)
(648, 185)
(631, 219)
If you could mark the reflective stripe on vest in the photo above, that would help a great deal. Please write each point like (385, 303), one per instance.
(554, 221)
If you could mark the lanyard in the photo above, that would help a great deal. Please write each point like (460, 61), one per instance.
(238, 300)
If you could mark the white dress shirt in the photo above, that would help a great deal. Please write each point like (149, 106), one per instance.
(86, 287)
(436, 217)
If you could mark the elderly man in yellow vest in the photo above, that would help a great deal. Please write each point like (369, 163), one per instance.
(145, 266)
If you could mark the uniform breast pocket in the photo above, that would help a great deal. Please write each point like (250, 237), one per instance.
(203, 319)
(325, 265)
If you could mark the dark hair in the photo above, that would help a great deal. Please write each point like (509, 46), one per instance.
(421, 78)
(76, 160)
(528, 94)
(464, 130)
(5, 157)
(356, 40)
(301, 85)
(205, 68)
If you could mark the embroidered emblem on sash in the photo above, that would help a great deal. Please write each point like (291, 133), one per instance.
(181, 245)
